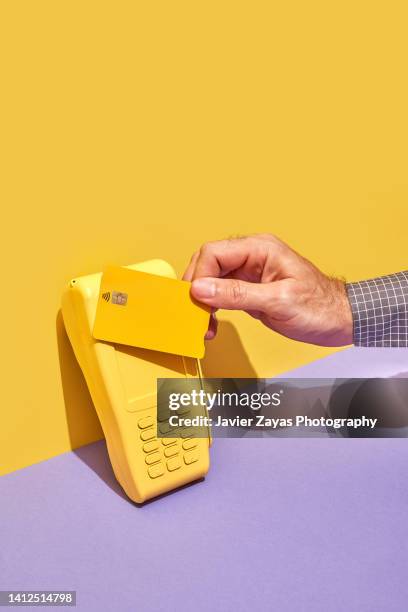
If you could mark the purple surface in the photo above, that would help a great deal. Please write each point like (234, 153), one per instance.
(278, 524)
(357, 362)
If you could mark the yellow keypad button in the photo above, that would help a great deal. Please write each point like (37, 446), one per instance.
(187, 444)
(173, 464)
(165, 428)
(190, 457)
(150, 446)
(170, 451)
(152, 458)
(183, 410)
(148, 434)
(156, 470)
(145, 422)
(167, 441)
(187, 433)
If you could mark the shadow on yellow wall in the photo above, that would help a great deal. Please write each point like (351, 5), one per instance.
(82, 421)
(225, 356)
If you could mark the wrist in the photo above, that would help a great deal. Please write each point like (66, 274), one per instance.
(342, 316)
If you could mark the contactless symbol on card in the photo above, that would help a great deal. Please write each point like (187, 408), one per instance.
(117, 297)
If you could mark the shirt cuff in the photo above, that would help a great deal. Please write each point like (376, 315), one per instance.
(380, 310)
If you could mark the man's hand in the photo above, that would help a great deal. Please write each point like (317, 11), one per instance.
(264, 277)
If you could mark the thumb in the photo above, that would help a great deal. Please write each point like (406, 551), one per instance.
(231, 293)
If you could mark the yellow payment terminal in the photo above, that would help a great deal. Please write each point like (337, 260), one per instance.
(122, 382)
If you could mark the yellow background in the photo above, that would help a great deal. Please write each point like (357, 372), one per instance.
(132, 130)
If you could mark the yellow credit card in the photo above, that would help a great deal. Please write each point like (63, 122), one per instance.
(150, 311)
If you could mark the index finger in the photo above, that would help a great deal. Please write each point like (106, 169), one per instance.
(188, 274)
(216, 259)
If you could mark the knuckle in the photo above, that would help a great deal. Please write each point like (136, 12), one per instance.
(234, 237)
(265, 241)
(273, 239)
(237, 292)
(268, 236)
(285, 295)
(206, 248)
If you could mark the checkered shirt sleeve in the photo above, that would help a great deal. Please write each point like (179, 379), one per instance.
(380, 310)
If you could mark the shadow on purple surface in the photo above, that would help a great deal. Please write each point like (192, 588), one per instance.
(96, 457)
(384, 399)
